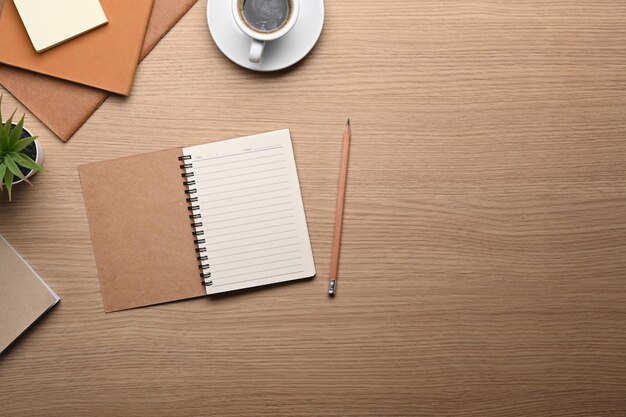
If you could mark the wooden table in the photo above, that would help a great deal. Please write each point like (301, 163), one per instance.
(483, 268)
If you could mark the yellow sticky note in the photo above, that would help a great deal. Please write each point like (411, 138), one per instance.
(51, 22)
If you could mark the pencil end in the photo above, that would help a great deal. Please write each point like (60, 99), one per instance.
(348, 122)
(332, 287)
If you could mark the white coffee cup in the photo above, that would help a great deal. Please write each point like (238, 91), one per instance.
(259, 38)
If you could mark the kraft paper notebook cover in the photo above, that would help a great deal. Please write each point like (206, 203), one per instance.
(193, 221)
(24, 297)
(106, 58)
(50, 23)
(64, 106)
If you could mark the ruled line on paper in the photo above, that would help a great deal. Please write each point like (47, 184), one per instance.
(254, 237)
(251, 201)
(240, 168)
(257, 272)
(239, 182)
(241, 160)
(248, 188)
(252, 244)
(262, 201)
(239, 153)
(244, 224)
(248, 209)
(196, 173)
(252, 215)
(248, 195)
(239, 175)
(249, 230)
(257, 279)
(259, 264)
(261, 257)
(265, 249)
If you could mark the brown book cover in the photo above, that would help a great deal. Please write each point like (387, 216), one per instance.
(104, 58)
(140, 229)
(24, 297)
(64, 106)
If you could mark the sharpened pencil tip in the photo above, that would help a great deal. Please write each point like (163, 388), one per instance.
(348, 123)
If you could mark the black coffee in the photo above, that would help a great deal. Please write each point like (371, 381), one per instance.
(266, 15)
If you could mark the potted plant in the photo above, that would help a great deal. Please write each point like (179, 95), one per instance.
(21, 154)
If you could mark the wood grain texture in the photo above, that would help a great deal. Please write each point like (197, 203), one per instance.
(483, 268)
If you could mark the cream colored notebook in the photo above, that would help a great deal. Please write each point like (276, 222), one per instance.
(24, 296)
(51, 22)
(249, 219)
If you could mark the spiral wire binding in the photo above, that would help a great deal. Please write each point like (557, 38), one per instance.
(200, 242)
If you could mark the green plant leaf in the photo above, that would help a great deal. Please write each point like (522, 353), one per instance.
(22, 143)
(3, 169)
(4, 141)
(25, 161)
(7, 124)
(17, 132)
(6, 129)
(12, 166)
(1, 95)
(8, 182)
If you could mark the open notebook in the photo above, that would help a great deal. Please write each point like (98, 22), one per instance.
(200, 220)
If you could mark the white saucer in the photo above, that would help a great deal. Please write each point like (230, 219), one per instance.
(278, 54)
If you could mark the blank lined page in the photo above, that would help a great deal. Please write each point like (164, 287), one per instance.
(250, 219)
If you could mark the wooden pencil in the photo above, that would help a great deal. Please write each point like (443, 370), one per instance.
(341, 196)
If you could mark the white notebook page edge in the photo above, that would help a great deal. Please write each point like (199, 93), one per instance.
(253, 226)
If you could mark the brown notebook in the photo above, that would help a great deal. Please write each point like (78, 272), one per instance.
(24, 297)
(64, 106)
(194, 221)
(105, 58)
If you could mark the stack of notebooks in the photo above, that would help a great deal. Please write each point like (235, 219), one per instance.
(63, 58)
(105, 57)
